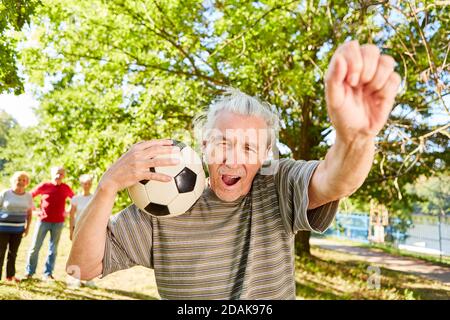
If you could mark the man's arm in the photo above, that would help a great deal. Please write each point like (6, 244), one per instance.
(360, 88)
(37, 190)
(343, 171)
(89, 236)
(70, 192)
(89, 239)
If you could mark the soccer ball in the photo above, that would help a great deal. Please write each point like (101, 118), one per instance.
(170, 199)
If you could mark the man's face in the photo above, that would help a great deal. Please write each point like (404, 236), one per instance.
(235, 152)
(58, 175)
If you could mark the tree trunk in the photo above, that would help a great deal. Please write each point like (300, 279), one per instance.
(302, 248)
(303, 152)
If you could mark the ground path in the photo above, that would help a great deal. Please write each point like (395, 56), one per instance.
(388, 261)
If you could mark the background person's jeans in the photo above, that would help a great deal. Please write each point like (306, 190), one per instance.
(38, 238)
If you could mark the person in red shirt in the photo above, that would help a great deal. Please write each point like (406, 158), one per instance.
(51, 219)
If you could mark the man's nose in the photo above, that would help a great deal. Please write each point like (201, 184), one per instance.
(232, 158)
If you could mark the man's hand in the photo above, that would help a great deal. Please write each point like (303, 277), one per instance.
(89, 236)
(360, 88)
(134, 165)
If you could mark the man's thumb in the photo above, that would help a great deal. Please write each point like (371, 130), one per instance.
(334, 81)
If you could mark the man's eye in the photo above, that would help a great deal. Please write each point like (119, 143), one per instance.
(221, 144)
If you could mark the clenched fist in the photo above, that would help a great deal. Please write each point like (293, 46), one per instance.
(360, 88)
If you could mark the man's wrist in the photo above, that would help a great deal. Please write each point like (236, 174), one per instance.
(106, 189)
(359, 141)
(347, 164)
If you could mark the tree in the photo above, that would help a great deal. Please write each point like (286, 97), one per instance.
(7, 122)
(14, 14)
(433, 194)
(142, 69)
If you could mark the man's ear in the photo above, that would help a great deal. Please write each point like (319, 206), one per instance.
(204, 151)
(266, 154)
(269, 153)
(205, 159)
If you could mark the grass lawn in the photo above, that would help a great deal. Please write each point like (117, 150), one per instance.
(135, 283)
(337, 275)
(391, 249)
(327, 275)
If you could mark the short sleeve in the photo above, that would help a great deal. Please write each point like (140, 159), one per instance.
(128, 241)
(292, 180)
(70, 193)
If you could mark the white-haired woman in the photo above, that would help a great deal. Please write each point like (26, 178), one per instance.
(15, 218)
(78, 203)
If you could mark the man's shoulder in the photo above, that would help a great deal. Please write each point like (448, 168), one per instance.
(131, 212)
(263, 182)
(41, 186)
(67, 188)
(272, 167)
(280, 168)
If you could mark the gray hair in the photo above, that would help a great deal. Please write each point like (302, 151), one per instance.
(54, 170)
(237, 102)
(86, 177)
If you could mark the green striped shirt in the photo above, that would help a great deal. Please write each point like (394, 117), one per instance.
(223, 250)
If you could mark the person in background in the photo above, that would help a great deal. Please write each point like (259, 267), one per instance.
(78, 203)
(16, 207)
(53, 200)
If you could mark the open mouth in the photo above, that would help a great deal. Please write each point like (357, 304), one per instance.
(230, 180)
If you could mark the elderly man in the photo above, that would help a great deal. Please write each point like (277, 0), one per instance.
(237, 241)
(51, 219)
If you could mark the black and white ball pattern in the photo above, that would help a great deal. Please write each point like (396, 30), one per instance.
(169, 199)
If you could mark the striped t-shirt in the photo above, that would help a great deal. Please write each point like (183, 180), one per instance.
(223, 250)
(13, 211)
